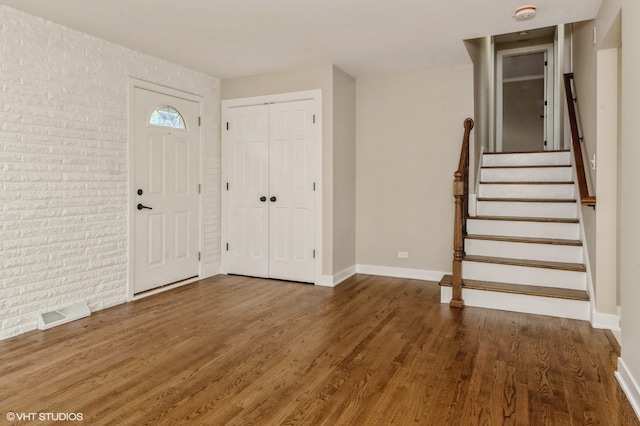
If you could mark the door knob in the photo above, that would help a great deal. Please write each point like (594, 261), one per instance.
(273, 199)
(140, 207)
(263, 198)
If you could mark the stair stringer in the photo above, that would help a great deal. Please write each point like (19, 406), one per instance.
(472, 204)
(597, 320)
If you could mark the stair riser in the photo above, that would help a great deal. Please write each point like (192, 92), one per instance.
(524, 275)
(527, 209)
(545, 174)
(554, 191)
(563, 308)
(569, 231)
(528, 159)
(529, 251)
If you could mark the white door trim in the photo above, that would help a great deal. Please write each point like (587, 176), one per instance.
(316, 96)
(141, 84)
(550, 94)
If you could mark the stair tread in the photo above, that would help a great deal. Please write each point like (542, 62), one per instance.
(527, 152)
(563, 266)
(531, 290)
(525, 219)
(523, 166)
(531, 240)
(530, 200)
(542, 182)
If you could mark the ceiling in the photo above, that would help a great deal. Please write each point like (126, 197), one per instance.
(230, 38)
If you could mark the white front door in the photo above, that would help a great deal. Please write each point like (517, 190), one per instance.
(271, 203)
(166, 198)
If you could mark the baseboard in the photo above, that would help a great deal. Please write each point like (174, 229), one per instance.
(164, 288)
(344, 275)
(446, 293)
(384, 271)
(605, 321)
(334, 280)
(325, 281)
(210, 272)
(629, 386)
(389, 271)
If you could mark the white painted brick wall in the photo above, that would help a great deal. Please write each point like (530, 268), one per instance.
(63, 163)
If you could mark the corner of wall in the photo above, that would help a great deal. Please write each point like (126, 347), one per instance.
(629, 385)
(343, 171)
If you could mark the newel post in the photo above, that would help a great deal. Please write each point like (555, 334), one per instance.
(460, 194)
(458, 247)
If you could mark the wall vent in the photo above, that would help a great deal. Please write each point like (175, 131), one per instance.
(64, 315)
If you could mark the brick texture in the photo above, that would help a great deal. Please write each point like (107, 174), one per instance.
(64, 182)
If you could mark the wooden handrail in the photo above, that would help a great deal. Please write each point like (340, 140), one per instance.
(461, 196)
(585, 198)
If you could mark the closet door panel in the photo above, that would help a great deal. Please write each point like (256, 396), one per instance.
(291, 174)
(247, 196)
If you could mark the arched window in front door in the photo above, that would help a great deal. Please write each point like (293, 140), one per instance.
(167, 116)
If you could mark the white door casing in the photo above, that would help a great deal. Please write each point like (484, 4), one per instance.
(270, 189)
(549, 115)
(166, 172)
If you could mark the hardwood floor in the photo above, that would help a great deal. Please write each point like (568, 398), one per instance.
(372, 351)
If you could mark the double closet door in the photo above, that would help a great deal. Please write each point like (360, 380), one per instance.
(270, 191)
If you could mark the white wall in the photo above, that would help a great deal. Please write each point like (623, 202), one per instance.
(596, 69)
(596, 78)
(408, 139)
(630, 201)
(344, 173)
(63, 163)
(606, 250)
(481, 52)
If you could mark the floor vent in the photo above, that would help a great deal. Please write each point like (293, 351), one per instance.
(50, 319)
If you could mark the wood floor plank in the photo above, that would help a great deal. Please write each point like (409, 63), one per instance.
(240, 351)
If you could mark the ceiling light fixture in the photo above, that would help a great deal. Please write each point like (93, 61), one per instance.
(524, 13)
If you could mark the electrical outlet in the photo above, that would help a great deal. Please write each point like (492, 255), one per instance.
(403, 254)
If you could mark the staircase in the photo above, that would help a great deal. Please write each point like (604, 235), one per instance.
(522, 252)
